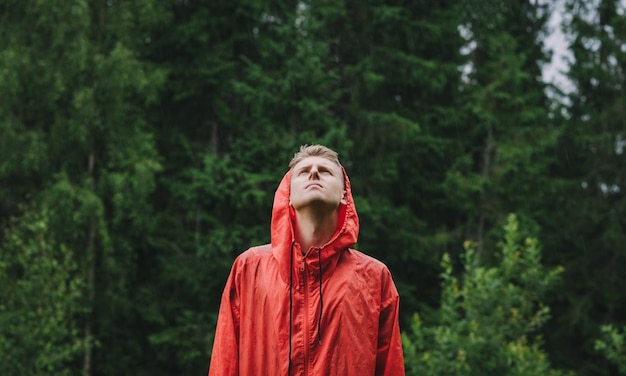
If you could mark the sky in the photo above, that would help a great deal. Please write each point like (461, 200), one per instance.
(554, 72)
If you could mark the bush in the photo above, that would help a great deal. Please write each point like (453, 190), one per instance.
(489, 317)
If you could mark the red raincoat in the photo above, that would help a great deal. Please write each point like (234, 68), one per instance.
(273, 311)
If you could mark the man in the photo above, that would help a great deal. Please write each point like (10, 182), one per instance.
(309, 304)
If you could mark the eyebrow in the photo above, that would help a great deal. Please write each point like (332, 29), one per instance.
(309, 165)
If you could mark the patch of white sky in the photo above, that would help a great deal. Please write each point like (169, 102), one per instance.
(558, 41)
(470, 45)
(555, 72)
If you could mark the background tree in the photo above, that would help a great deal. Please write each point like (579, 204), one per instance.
(586, 231)
(79, 156)
(505, 138)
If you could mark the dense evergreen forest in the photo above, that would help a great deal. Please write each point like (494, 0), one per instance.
(141, 143)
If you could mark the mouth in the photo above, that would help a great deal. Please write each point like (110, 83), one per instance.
(313, 185)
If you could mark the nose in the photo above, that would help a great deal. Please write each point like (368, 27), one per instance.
(314, 173)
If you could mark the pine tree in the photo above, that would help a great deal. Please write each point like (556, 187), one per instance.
(81, 160)
(588, 206)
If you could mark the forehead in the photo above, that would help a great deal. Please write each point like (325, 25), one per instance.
(308, 162)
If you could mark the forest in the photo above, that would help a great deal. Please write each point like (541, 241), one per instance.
(141, 142)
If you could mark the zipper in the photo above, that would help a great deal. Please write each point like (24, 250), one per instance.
(306, 317)
(319, 319)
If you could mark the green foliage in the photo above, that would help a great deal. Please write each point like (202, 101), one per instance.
(612, 344)
(489, 316)
(41, 293)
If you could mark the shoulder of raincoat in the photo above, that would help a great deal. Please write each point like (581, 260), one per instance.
(331, 311)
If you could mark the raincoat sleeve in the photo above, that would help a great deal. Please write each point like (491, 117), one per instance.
(389, 358)
(225, 355)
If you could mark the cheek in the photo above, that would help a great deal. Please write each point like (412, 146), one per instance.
(296, 191)
(341, 192)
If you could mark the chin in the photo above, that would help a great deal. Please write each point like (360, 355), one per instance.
(322, 204)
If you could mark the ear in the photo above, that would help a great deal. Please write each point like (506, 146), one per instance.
(343, 198)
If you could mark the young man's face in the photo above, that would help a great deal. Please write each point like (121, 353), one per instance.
(316, 181)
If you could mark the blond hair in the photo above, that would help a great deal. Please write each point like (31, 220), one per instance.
(314, 151)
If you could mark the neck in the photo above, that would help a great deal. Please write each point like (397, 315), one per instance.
(314, 229)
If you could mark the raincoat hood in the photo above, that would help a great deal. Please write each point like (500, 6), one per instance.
(283, 223)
